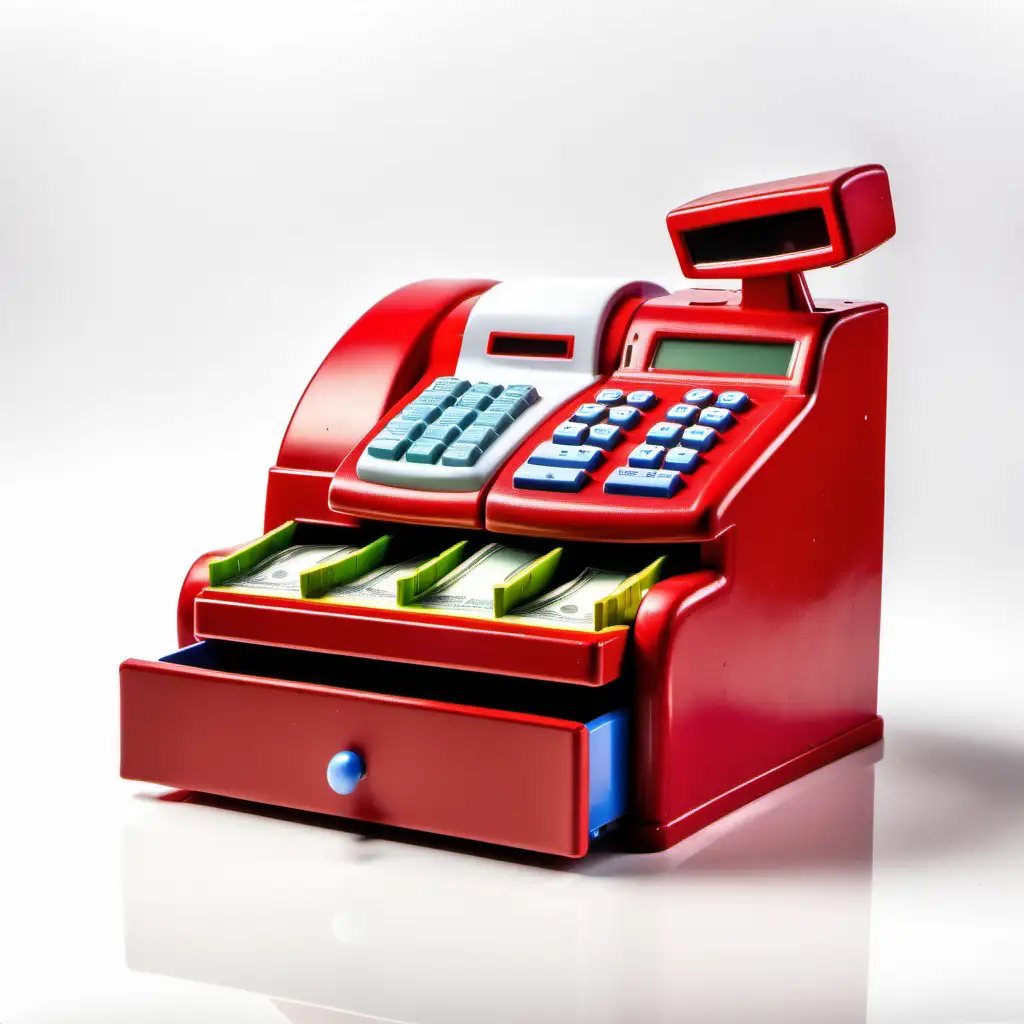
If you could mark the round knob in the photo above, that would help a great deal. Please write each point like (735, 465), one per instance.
(344, 771)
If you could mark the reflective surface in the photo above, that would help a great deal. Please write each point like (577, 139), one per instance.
(881, 888)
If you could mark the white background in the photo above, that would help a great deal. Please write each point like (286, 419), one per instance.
(197, 198)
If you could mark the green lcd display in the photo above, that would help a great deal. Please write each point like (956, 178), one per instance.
(749, 358)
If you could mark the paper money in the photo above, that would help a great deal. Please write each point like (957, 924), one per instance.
(571, 605)
(469, 588)
(377, 588)
(280, 573)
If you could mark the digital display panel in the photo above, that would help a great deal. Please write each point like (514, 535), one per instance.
(758, 237)
(703, 355)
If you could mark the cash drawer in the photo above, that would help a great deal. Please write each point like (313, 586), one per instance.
(540, 766)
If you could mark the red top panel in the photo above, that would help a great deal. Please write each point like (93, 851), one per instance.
(782, 227)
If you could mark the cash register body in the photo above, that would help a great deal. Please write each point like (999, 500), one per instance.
(755, 667)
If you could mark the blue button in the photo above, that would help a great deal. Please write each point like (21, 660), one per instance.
(445, 432)
(720, 419)
(474, 400)
(457, 417)
(420, 411)
(345, 771)
(590, 412)
(527, 392)
(460, 454)
(482, 388)
(685, 460)
(701, 438)
(447, 386)
(549, 478)
(649, 483)
(571, 433)
(646, 456)
(605, 436)
(609, 396)
(499, 421)
(738, 401)
(663, 433)
(424, 451)
(699, 396)
(642, 399)
(683, 413)
(483, 437)
(625, 416)
(574, 456)
(386, 446)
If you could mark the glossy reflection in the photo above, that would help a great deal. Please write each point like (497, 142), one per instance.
(765, 916)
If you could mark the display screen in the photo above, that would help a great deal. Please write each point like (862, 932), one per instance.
(758, 237)
(749, 358)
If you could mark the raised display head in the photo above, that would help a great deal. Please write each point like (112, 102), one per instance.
(778, 229)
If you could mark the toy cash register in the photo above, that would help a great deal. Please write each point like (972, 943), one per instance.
(550, 558)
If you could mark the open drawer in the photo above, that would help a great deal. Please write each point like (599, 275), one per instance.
(535, 765)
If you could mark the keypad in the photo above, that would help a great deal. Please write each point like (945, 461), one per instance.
(605, 436)
(720, 419)
(669, 447)
(625, 416)
(452, 422)
(582, 456)
(646, 483)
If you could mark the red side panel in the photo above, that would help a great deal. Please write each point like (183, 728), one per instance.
(778, 656)
(498, 777)
(377, 360)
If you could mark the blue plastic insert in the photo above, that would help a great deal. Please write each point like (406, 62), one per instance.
(609, 768)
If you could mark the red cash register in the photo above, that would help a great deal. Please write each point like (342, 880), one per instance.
(546, 559)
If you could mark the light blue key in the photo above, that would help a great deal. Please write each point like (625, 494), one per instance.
(447, 386)
(683, 413)
(483, 437)
(642, 399)
(409, 429)
(424, 451)
(498, 421)
(664, 433)
(605, 436)
(514, 406)
(720, 419)
(460, 454)
(527, 392)
(387, 446)
(549, 478)
(482, 388)
(699, 396)
(419, 411)
(457, 417)
(737, 401)
(643, 483)
(646, 456)
(625, 416)
(685, 460)
(699, 437)
(568, 456)
(441, 432)
(610, 396)
(571, 433)
(474, 400)
(590, 412)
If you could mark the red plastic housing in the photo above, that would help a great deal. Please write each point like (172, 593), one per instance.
(757, 664)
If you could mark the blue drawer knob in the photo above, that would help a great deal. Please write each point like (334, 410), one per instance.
(344, 771)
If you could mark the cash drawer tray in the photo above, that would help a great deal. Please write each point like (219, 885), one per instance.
(211, 718)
